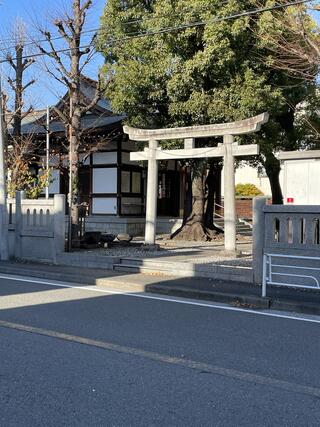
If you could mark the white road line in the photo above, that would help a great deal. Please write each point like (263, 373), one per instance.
(171, 360)
(159, 298)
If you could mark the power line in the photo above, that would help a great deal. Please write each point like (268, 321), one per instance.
(171, 29)
(211, 22)
(147, 18)
(96, 30)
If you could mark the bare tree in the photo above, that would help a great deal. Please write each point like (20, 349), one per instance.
(21, 148)
(66, 65)
(19, 65)
(292, 38)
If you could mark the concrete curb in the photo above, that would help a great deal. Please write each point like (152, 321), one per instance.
(249, 301)
(233, 298)
(244, 301)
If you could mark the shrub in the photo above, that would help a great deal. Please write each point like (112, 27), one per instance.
(247, 190)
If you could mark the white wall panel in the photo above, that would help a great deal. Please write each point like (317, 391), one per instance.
(296, 182)
(104, 205)
(314, 182)
(54, 186)
(302, 181)
(104, 180)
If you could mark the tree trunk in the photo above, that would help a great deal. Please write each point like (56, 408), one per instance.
(188, 197)
(213, 185)
(18, 91)
(75, 119)
(193, 228)
(273, 169)
(74, 161)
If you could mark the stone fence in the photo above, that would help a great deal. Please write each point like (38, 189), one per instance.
(286, 230)
(36, 228)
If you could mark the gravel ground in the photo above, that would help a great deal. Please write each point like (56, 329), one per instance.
(194, 252)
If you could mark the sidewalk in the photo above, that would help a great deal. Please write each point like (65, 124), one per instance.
(231, 292)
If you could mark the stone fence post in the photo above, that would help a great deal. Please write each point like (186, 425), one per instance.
(59, 223)
(20, 195)
(258, 234)
(4, 236)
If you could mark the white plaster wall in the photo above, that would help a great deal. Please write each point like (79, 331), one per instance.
(299, 179)
(302, 181)
(246, 174)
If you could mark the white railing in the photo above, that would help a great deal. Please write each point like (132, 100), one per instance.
(272, 277)
(245, 222)
(220, 208)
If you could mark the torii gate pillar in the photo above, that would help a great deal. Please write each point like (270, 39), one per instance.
(230, 217)
(152, 194)
(228, 150)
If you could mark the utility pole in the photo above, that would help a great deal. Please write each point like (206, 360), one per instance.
(4, 246)
(70, 181)
(47, 149)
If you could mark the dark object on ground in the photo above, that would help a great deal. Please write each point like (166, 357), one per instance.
(107, 238)
(123, 237)
(91, 240)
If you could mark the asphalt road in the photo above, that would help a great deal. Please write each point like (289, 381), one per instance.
(84, 356)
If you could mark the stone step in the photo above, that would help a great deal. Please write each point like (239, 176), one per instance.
(240, 226)
(221, 272)
(48, 275)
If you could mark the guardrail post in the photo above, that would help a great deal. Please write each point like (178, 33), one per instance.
(258, 236)
(264, 277)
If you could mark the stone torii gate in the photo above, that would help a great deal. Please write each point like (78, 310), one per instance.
(228, 150)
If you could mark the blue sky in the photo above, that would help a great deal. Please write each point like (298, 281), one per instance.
(32, 12)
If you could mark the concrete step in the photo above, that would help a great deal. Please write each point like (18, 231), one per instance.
(221, 272)
(94, 276)
(127, 268)
(90, 277)
(241, 227)
(80, 278)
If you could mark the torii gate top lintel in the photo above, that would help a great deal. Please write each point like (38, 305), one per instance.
(241, 127)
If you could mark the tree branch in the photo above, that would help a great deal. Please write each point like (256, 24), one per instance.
(28, 84)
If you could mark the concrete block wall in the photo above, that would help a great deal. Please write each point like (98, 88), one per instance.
(36, 228)
(115, 225)
(135, 226)
(284, 230)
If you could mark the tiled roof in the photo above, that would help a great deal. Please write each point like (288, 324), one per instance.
(101, 115)
(91, 121)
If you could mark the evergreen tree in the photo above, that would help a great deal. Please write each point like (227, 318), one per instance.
(195, 75)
